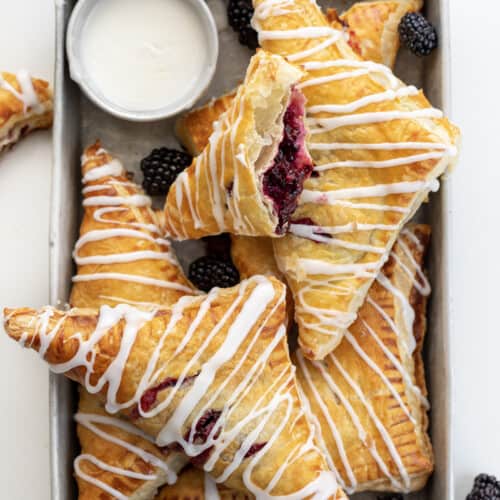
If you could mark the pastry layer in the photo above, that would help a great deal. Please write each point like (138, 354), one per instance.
(119, 238)
(120, 255)
(194, 484)
(372, 33)
(378, 147)
(369, 396)
(372, 27)
(210, 373)
(25, 105)
(248, 178)
(117, 460)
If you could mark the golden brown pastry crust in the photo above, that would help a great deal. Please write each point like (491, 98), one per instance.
(222, 190)
(192, 485)
(23, 108)
(195, 127)
(136, 221)
(373, 35)
(344, 226)
(236, 336)
(360, 374)
(253, 256)
(372, 27)
(118, 222)
(111, 454)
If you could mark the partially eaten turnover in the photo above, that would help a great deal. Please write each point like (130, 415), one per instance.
(250, 176)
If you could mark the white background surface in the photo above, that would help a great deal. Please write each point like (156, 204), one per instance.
(26, 40)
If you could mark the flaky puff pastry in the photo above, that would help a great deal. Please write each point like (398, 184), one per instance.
(120, 236)
(25, 105)
(253, 256)
(378, 148)
(118, 460)
(369, 396)
(194, 128)
(211, 373)
(229, 186)
(193, 484)
(372, 27)
(120, 256)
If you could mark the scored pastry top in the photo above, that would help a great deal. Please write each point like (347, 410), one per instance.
(211, 373)
(378, 147)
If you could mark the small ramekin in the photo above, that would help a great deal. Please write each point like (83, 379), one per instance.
(77, 70)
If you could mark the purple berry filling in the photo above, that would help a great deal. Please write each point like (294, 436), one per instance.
(149, 398)
(255, 448)
(202, 430)
(284, 180)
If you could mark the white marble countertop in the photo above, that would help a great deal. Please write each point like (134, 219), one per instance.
(27, 41)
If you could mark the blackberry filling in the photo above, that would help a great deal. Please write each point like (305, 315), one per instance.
(283, 181)
(149, 398)
(255, 448)
(202, 430)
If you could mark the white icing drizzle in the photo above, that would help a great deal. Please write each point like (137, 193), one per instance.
(112, 169)
(378, 190)
(325, 117)
(106, 175)
(92, 422)
(27, 94)
(210, 487)
(378, 424)
(224, 131)
(245, 329)
(320, 398)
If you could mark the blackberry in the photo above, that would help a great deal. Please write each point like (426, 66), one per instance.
(248, 37)
(418, 34)
(218, 246)
(485, 488)
(394, 496)
(208, 272)
(161, 168)
(239, 14)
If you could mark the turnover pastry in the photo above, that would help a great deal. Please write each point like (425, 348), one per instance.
(25, 105)
(253, 256)
(117, 459)
(378, 148)
(248, 178)
(121, 256)
(120, 236)
(369, 396)
(194, 484)
(210, 373)
(371, 28)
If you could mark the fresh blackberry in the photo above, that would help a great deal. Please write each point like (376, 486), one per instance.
(208, 272)
(394, 496)
(161, 168)
(218, 246)
(239, 14)
(418, 34)
(248, 37)
(485, 488)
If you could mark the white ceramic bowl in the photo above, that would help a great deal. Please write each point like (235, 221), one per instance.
(76, 25)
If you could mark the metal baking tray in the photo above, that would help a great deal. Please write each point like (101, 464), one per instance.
(78, 122)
